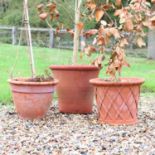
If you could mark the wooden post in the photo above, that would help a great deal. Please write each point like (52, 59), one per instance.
(51, 38)
(29, 37)
(14, 35)
(151, 44)
(76, 31)
(82, 42)
(151, 40)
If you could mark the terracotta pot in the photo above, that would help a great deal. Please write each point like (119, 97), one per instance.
(117, 102)
(75, 93)
(32, 99)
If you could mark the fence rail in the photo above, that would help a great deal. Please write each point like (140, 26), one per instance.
(45, 37)
(13, 31)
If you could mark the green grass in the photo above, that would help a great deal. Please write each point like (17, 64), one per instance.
(44, 57)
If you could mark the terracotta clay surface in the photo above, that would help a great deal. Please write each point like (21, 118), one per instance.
(32, 99)
(117, 101)
(75, 93)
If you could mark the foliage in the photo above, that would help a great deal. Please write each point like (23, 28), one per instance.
(11, 13)
(132, 17)
(117, 20)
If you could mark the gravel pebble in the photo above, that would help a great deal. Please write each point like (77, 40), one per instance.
(62, 134)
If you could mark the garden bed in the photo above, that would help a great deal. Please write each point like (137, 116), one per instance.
(62, 134)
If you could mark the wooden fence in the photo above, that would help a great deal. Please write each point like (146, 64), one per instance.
(12, 30)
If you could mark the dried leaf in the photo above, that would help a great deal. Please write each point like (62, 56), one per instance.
(153, 1)
(98, 61)
(99, 14)
(100, 41)
(43, 16)
(152, 21)
(40, 7)
(90, 5)
(89, 50)
(128, 25)
(80, 26)
(118, 3)
(123, 42)
(51, 6)
(90, 33)
(115, 32)
(106, 6)
(118, 12)
(140, 42)
(71, 32)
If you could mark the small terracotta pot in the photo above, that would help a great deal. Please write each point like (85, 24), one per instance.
(75, 93)
(117, 102)
(32, 99)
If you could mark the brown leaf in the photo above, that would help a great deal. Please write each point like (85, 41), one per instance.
(89, 50)
(71, 32)
(90, 5)
(51, 6)
(98, 61)
(118, 3)
(43, 16)
(125, 63)
(140, 42)
(111, 70)
(128, 25)
(152, 21)
(153, 1)
(90, 33)
(123, 42)
(80, 26)
(118, 12)
(57, 15)
(115, 32)
(99, 14)
(100, 41)
(106, 6)
(40, 7)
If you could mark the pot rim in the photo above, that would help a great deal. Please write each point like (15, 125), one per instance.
(14, 81)
(74, 67)
(125, 81)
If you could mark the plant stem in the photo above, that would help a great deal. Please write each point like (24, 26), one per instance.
(76, 31)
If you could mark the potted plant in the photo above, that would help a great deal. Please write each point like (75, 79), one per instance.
(117, 97)
(32, 96)
(75, 94)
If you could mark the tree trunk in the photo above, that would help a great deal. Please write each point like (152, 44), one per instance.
(151, 41)
(151, 44)
(76, 31)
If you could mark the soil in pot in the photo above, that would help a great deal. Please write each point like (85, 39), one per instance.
(75, 94)
(32, 97)
(117, 102)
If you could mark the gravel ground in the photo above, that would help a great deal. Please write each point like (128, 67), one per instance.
(61, 134)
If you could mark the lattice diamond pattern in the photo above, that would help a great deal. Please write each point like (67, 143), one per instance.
(118, 104)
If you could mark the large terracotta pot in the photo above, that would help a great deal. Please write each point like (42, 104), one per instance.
(117, 102)
(75, 93)
(32, 99)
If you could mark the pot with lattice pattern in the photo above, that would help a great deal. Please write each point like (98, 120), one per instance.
(117, 102)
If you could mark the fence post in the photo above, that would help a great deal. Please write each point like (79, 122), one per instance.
(82, 42)
(13, 35)
(51, 38)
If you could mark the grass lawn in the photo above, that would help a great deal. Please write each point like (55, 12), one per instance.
(140, 67)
